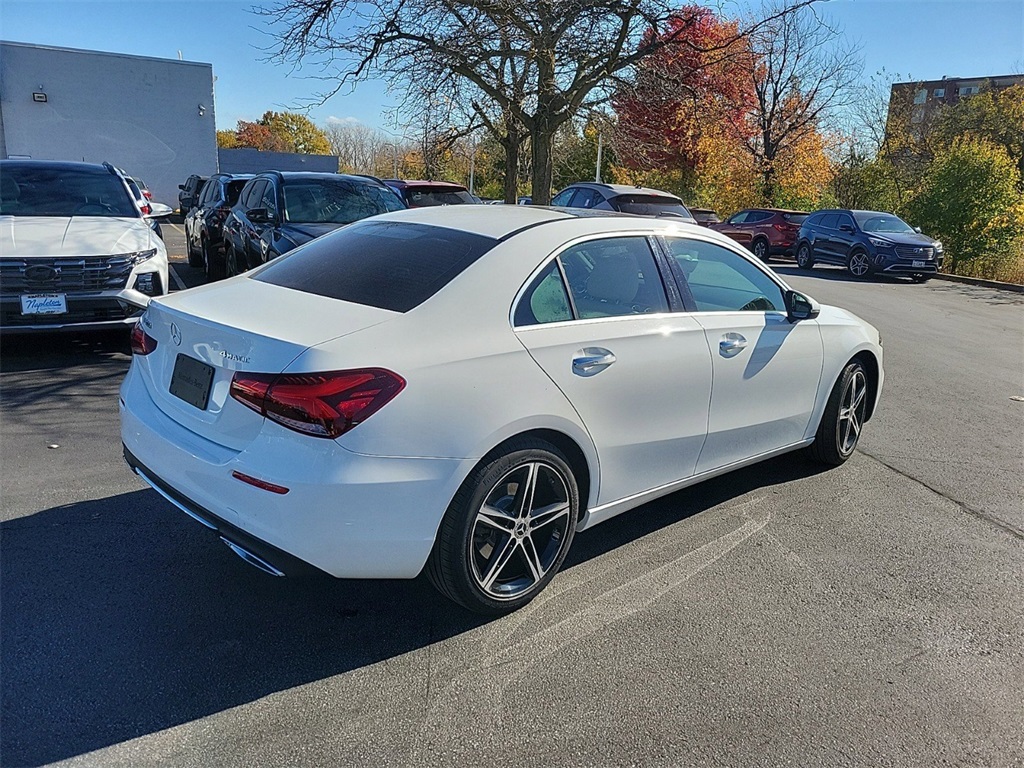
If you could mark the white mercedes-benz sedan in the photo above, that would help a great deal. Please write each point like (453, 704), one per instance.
(462, 389)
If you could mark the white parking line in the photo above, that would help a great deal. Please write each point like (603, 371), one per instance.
(172, 224)
(177, 280)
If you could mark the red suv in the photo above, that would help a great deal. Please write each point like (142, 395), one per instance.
(766, 231)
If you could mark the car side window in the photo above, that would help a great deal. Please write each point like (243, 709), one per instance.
(246, 196)
(722, 281)
(739, 218)
(612, 277)
(563, 197)
(829, 221)
(545, 301)
(845, 218)
(269, 199)
(756, 216)
(585, 198)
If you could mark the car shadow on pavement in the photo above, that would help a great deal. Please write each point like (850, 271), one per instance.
(838, 274)
(48, 351)
(122, 617)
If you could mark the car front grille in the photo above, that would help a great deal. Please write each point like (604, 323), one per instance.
(105, 311)
(64, 275)
(915, 252)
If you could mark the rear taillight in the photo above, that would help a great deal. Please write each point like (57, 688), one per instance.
(145, 209)
(318, 404)
(142, 342)
(147, 194)
(786, 227)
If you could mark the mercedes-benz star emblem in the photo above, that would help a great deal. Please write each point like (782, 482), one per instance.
(175, 335)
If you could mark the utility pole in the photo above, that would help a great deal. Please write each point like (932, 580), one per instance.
(600, 146)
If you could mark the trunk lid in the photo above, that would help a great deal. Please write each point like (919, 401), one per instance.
(238, 325)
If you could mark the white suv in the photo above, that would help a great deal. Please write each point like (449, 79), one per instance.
(75, 251)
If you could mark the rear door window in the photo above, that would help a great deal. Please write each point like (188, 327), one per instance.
(613, 276)
(585, 198)
(385, 264)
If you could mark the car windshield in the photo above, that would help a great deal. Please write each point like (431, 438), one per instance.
(48, 191)
(330, 201)
(650, 205)
(882, 222)
(422, 197)
(386, 264)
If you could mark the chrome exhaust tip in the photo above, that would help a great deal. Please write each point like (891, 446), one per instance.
(251, 559)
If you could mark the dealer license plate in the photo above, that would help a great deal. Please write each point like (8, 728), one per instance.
(918, 263)
(191, 380)
(44, 304)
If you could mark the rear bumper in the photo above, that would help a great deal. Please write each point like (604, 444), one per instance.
(347, 514)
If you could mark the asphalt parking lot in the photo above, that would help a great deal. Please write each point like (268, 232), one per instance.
(870, 615)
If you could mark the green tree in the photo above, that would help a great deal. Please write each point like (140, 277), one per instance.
(227, 139)
(970, 198)
(298, 132)
(997, 116)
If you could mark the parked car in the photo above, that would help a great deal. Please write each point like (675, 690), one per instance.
(421, 194)
(205, 222)
(76, 253)
(144, 205)
(866, 242)
(620, 197)
(277, 211)
(344, 430)
(704, 216)
(526, 200)
(189, 193)
(143, 187)
(765, 231)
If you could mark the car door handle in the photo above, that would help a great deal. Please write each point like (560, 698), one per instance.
(591, 361)
(731, 344)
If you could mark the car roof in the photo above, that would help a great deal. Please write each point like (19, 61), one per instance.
(424, 183)
(778, 210)
(624, 189)
(59, 165)
(295, 175)
(502, 221)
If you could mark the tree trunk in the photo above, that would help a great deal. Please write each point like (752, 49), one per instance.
(541, 141)
(512, 143)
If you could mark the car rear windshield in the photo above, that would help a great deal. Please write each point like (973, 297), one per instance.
(54, 191)
(795, 218)
(421, 197)
(386, 264)
(329, 201)
(651, 205)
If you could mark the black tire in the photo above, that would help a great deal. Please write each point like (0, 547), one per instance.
(483, 561)
(804, 259)
(213, 262)
(858, 264)
(837, 436)
(762, 250)
(230, 261)
(195, 256)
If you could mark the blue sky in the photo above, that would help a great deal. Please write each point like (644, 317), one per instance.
(925, 39)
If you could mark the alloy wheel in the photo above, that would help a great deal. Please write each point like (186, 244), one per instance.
(520, 530)
(803, 257)
(859, 264)
(852, 409)
(761, 250)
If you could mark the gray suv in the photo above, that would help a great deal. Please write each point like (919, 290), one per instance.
(642, 201)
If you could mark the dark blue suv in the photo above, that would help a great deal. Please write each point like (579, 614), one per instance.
(867, 242)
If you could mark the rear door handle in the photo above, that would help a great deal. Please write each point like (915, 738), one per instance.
(591, 360)
(731, 344)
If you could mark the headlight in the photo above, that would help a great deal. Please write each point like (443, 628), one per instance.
(938, 247)
(879, 243)
(140, 256)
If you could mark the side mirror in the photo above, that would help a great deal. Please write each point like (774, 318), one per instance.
(800, 307)
(181, 187)
(918, 230)
(158, 211)
(259, 216)
(845, 228)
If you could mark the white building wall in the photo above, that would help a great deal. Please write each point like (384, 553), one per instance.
(141, 114)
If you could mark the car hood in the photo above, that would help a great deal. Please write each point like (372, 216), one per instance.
(302, 233)
(28, 236)
(902, 238)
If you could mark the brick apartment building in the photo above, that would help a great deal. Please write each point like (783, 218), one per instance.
(923, 98)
